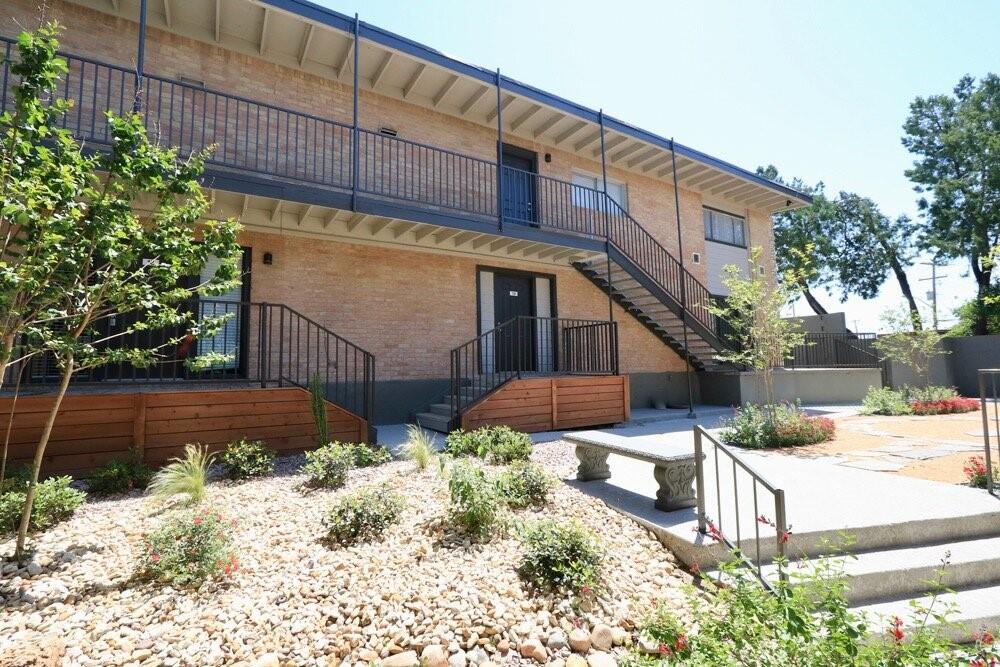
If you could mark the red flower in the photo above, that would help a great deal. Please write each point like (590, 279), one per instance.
(896, 628)
(665, 650)
(681, 643)
(155, 558)
(585, 590)
(198, 520)
(695, 568)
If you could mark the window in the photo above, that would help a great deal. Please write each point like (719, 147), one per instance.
(586, 198)
(724, 228)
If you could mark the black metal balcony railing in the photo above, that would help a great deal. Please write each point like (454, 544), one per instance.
(835, 350)
(531, 346)
(265, 343)
(272, 141)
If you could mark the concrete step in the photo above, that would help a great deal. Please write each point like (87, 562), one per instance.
(443, 409)
(976, 609)
(432, 421)
(904, 572)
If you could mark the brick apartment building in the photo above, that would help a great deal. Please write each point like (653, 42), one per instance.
(363, 167)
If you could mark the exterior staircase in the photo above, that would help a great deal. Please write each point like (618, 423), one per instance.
(655, 309)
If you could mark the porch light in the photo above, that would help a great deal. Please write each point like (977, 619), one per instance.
(268, 258)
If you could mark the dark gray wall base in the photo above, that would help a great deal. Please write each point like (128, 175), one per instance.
(646, 390)
(397, 400)
(720, 388)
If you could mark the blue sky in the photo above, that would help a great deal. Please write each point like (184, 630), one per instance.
(818, 89)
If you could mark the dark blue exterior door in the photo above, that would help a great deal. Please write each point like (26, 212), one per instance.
(519, 187)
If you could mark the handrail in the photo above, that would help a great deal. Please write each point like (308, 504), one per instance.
(264, 138)
(641, 247)
(715, 527)
(992, 375)
(530, 345)
(265, 343)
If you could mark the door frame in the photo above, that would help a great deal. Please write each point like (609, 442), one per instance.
(514, 272)
(532, 156)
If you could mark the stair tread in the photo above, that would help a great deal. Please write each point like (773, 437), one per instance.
(918, 556)
(976, 607)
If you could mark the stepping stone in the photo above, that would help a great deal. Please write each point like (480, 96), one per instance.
(923, 454)
(894, 448)
(876, 465)
(953, 446)
(865, 453)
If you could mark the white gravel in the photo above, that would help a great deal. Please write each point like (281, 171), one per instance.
(312, 605)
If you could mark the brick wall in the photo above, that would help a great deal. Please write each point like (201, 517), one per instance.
(411, 307)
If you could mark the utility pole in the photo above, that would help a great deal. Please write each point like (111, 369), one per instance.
(933, 293)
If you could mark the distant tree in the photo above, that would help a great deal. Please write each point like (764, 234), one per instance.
(109, 262)
(871, 245)
(851, 244)
(800, 228)
(956, 142)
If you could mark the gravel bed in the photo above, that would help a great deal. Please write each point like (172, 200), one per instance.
(295, 601)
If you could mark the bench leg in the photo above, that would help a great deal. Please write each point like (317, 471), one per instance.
(593, 464)
(676, 482)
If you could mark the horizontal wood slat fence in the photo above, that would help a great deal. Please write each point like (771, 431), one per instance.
(553, 403)
(93, 428)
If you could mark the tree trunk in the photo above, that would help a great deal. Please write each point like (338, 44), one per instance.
(904, 286)
(6, 350)
(983, 277)
(813, 303)
(36, 465)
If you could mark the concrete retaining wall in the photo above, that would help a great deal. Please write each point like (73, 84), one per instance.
(810, 386)
(958, 367)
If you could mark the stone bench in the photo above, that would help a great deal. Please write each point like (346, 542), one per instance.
(673, 470)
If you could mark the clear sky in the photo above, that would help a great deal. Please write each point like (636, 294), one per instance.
(819, 89)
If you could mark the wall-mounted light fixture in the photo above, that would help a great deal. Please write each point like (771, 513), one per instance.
(548, 158)
(268, 258)
(696, 258)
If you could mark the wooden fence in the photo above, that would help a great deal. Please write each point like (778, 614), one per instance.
(90, 429)
(547, 404)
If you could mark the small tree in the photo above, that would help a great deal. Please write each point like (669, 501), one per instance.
(911, 347)
(107, 261)
(762, 339)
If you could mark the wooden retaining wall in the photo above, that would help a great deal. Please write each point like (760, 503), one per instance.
(549, 404)
(93, 428)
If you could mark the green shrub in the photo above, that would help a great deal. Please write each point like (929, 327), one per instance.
(120, 475)
(498, 444)
(186, 474)
(363, 515)
(929, 394)
(807, 621)
(317, 403)
(419, 446)
(885, 401)
(364, 456)
(757, 427)
(55, 501)
(476, 505)
(524, 483)
(248, 458)
(561, 555)
(327, 466)
(189, 547)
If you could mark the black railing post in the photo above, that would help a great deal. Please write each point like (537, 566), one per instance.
(262, 345)
(355, 134)
(140, 58)
(499, 157)
(607, 221)
(683, 280)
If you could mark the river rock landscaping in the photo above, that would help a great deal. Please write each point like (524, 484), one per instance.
(421, 594)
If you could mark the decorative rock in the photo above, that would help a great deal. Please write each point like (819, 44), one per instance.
(601, 638)
(457, 659)
(556, 641)
(579, 640)
(575, 660)
(267, 660)
(367, 655)
(477, 656)
(532, 648)
(601, 659)
(434, 655)
(404, 659)
(37, 652)
(620, 636)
